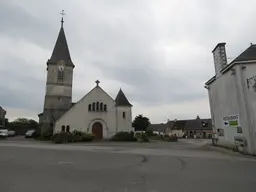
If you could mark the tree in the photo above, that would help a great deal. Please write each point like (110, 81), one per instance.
(21, 125)
(140, 123)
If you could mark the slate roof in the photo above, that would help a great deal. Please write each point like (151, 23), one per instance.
(61, 51)
(179, 125)
(247, 55)
(191, 124)
(121, 99)
(159, 127)
(197, 124)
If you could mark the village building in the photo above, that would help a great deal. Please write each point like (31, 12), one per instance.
(232, 98)
(190, 128)
(97, 112)
(2, 117)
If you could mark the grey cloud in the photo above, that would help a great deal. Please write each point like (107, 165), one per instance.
(119, 38)
(17, 23)
(19, 88)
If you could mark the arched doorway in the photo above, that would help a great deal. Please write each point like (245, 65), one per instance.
(97, 130)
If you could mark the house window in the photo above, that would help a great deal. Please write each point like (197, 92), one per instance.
(105, 107)
(89, 107)
(101, 106)
(123, 114)
(97, 106)
(60, 75)
(220, 132)
(239, 130)
(93, 106)
(68, 129)
(63, 128)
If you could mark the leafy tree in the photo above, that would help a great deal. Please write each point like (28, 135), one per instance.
(21, 125)
(140, 123)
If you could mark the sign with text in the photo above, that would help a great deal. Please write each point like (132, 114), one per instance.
(231, 120)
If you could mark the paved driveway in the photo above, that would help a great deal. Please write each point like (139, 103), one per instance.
(33, 166)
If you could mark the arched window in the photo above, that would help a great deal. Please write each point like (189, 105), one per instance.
(89, 107)
(93, 106)
(63, 128)
(60, 75)
(105, 107)
(101, 106)
(68, 129)
(97, 106)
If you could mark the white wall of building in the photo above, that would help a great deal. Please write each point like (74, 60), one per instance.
(124, 123)
(227, 96)
(79, 118)
(224, 101)
(246, 72)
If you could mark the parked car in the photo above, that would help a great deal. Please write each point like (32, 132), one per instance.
(11, 133)
(29, 133)
(3, 133)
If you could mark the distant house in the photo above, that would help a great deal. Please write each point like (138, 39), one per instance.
(2, 117)
(199, 128)
(162, 128)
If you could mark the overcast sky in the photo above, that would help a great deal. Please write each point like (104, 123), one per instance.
(157, 51)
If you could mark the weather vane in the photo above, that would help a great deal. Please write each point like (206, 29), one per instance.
(62, 21)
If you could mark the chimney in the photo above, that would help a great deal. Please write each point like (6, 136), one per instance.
(219, 57)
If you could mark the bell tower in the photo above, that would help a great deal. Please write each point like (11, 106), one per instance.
(58, 95)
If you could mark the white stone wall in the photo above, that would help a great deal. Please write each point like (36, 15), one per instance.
(249, 102)
(223, 102)
(124, 123)
(79, 118)
(227, 96)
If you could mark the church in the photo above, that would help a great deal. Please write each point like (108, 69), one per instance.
(97, 112)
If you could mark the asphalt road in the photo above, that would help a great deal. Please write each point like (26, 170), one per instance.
(40, 167)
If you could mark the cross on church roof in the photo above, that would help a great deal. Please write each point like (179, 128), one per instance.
(97, 82)
(62, 21)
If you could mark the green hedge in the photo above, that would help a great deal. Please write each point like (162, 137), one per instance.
(75, 136)
(124, 136)
(143, 137)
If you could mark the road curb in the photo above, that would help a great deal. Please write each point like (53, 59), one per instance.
(229, 151)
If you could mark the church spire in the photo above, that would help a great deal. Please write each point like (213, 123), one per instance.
(121, 99)
(61, 51)
(62, 21)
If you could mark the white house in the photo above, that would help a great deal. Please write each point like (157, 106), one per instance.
(97, 113)
(232, 97)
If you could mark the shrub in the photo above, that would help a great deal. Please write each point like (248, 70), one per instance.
(87, 137)
(79, 133)
(156, 137)
(149, 132)
(143, 137)
(77, 138)
(123, 136)
(62, 137)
